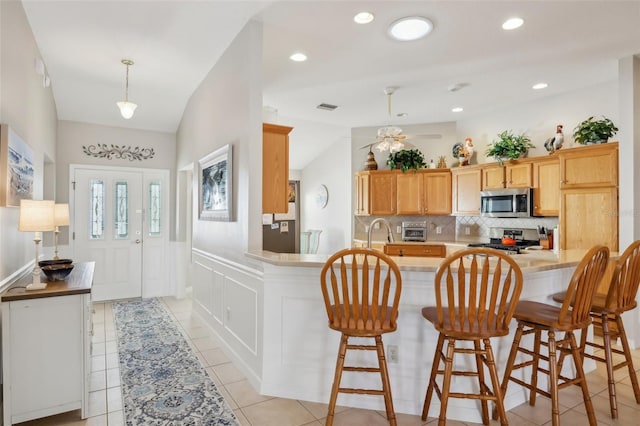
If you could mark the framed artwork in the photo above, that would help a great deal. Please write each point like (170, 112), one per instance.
(216, 185)
(16, 168)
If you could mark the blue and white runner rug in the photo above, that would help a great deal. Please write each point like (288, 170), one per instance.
(163, 382)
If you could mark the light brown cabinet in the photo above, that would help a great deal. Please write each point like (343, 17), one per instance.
(437, 193)
(415, 250)
(409, 193)
(589, 166)
(382, 193)
(546, 187)
(466, 184)
(362, 194)
(275, 168)
(511, 175)
(427, 192)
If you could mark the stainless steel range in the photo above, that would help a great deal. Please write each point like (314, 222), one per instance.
(517, 239)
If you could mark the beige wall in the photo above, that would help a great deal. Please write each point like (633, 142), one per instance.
(28, 107)
(227, 109)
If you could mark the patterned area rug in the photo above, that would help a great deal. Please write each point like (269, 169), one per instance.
(163, 383)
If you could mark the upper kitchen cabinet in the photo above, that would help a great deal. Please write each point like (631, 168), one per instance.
(426, 192)
(409, 193)
(589, 166)
(382, 193)
(275, 168)
(466, 186)
(362, 194)
(513, 174)
(437, 192)
(546, 186)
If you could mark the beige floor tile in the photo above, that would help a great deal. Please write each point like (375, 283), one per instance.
(98, 363)
(228, 373)
(98, 349)
(114, 399)
(113, 377)
(112, 361)
(319, 410)
(538, 414)
(115, 418)
(97, 381)
(97, 403)
(205, 343)
(357, 417)
(241, 418)
(196, 332)
(111, 347)
(244, 394)
(96, 421)
(278, 412)
(228, 398)
(214, 357)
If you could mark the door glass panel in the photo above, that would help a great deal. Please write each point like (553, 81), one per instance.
(96, 212)
(122, 210)
(154, 208)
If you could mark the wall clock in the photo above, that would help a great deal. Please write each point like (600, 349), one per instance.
(322, 196)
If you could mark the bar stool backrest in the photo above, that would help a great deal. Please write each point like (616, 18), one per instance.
(623, 289)
(361, 290)
(476, 292)
(582, 287)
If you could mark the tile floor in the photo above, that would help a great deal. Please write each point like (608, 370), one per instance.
(252, 409)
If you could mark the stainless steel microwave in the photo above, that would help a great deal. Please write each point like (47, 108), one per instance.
(510, 202)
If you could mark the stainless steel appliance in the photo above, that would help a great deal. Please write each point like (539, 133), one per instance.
(414, 231)
(509, 202)
(521, 238)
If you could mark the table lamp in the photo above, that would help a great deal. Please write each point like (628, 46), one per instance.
(36, 216)
(61, 218)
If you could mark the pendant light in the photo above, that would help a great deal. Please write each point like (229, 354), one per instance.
(127, 108)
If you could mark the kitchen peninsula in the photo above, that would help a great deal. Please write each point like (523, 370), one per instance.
(292, 351)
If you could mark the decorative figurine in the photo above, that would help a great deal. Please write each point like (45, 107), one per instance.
(463, 152)
(554, 143)
(442, 162)
(370, 164)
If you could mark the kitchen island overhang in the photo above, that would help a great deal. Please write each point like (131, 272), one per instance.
(297, 354)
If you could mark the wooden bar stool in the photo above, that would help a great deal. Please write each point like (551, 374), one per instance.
(535, 317)
(361, 289)
(476, 293)
(606, 313)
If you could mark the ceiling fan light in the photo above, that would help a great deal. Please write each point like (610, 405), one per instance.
(396, 146)
(383, 146)
(389, 131)
(127, 109)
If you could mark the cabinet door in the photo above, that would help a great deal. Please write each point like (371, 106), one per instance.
(546, 188)
(409, 189)
(518, 175)
(362, 194)
(493, 177)
(415, 250)
(466, 184)
(437, 193)
(382, 193)
(275, 168)
(589, 166)
(589, 216)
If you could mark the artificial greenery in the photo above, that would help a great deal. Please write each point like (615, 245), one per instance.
(592, 130)
(509, 146)
(406, 159)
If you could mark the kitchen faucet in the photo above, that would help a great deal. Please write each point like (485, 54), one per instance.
(385, 222)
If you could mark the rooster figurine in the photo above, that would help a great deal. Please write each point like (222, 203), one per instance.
(555, 143)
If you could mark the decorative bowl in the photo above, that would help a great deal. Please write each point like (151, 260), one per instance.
(57, 272)
(54, 262)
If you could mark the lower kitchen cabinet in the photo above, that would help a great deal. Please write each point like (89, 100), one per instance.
(46, 347)
(416, 250)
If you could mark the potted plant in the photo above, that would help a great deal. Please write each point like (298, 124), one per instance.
(509, 146)
(594, 131)
(406, 159)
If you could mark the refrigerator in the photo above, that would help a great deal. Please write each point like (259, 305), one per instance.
(281, 231)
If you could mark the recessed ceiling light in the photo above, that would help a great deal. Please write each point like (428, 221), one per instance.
(298, 57)
(363, 18)
(539, 86)
(512, 23)
(457, 109)
(410, 28)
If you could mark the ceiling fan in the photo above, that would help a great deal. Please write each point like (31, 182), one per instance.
(390, 137)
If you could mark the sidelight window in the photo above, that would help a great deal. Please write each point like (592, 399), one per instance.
(96, 212)
(121, 225)
(154, 209)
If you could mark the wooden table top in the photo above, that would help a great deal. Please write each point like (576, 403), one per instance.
(79, 281)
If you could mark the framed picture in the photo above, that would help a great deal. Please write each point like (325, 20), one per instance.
(16, 168)
(216, 185)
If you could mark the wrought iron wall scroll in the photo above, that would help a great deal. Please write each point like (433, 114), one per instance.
(109, 152)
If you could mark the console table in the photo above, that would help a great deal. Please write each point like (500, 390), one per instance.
(46, 347)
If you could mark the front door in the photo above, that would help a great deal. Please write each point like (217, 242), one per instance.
(108, 215)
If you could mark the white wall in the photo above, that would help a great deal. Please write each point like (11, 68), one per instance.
(332, 169)
(28, 107)
(227, 109)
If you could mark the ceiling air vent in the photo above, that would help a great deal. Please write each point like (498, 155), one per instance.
(327, 107)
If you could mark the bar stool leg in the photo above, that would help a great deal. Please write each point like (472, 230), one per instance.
(432, 376)
(386, 386)
(534, 366)
(575, 351)
(629, 359)
(483, 391)
(446, 382)
(336, 379)
(509, 366)
(608, 358)
(553, 378)
(495, 384)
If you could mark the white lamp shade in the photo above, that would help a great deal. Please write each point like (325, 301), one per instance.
(127, 109)
(61, 214)
(36, 216)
